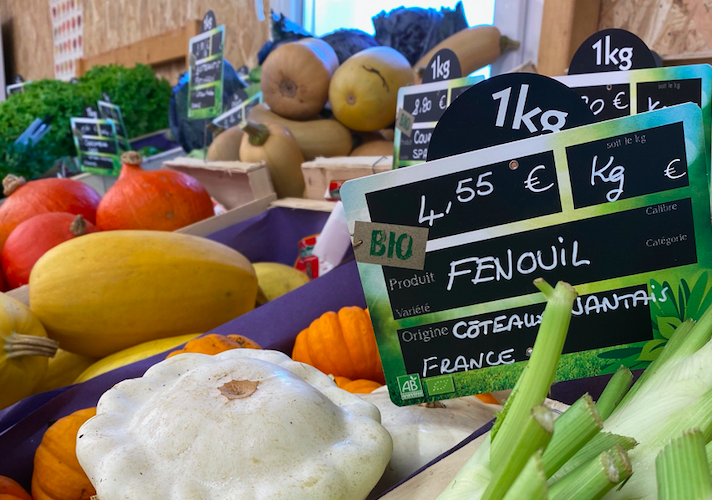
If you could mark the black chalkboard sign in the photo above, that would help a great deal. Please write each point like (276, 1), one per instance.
(506, 108)
(97, 145)
(113, 112)
(240, 107)
(611, 50)
(205, 82)
(419, 109)
(444, 65)
(619, 209)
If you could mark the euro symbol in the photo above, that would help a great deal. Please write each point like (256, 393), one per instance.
(670, 170)
(617, 101)
(533, 181)
(442, 103)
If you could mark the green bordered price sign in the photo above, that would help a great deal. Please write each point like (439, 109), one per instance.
(620, 209)
(238, 114)
(112, 112)
(419, 109)
(97, 145)
(205, 91)
(622, 93)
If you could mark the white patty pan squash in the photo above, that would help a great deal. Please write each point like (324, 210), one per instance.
(421, 433)
(244, 424)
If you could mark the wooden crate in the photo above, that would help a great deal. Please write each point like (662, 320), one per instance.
(319, 173)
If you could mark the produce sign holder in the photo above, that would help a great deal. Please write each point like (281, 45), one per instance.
(109, 111)
(418, 110)
(619, 209)
(324, 177)
(237, 116)
(623, 93)
(97, 145)
(205, 70)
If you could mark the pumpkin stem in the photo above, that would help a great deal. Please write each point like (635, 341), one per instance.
(434, 404)
(238, 389)
(257, 133)
(17, 345)
(506, 44)
(78, 226)
(131, 158)
(11, 182)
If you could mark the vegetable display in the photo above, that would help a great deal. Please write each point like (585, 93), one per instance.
(33, 238)
(27, 199)
(160, 200)
(341, 344)
(295, 77)
(364, 90)
(274, 145)
(107, 291)
(247, 404)
(318, 137)
(57, 474)
(24, 353)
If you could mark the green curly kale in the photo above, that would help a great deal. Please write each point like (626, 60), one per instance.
(143, 99)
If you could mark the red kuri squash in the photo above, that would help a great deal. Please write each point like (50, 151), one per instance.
(161, 200)
(30, 240)
(27, 199)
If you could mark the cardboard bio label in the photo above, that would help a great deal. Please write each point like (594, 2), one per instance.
(97, 145)
(419, 109)
(205, 83)
(619, 209)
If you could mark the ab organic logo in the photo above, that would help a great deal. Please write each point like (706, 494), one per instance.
(410, 386)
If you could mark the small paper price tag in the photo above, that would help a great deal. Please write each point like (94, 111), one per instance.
(390, 245)
(404, 122)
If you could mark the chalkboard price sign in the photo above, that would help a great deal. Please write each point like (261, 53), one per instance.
(237, 115)
(97, 145)
(618, 209)
(421, 106)
(608, 95)
(112, 112)
(206, 70)
(444, 65)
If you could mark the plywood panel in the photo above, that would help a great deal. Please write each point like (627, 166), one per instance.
(27, 37)
(113, 24)
(667, 26)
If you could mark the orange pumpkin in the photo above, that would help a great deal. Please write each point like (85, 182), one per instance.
(161, 200)
(214, 343)
(57, 474)
(342, 344)
(11, 490)
(360, 386)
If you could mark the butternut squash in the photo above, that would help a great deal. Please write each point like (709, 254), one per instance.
(275, 146)
(295, 77)
(475, 48)
(111, 290)
(364, 90)
(317, 137)
(226, 146)
(374, 148)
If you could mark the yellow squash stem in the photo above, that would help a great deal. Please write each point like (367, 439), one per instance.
(17, 345)
(257, 132)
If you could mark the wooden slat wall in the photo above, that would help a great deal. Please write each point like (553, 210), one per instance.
(27, 29)
(27, 38)
(669, 27)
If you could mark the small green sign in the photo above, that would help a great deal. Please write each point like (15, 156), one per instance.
(440, 385)
(410, 386)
